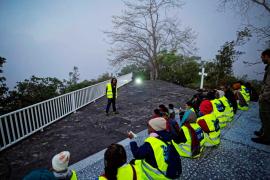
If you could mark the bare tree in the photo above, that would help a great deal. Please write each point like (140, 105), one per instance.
(143, 30)
(244, 6)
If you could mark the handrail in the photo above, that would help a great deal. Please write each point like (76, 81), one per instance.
(19, 124)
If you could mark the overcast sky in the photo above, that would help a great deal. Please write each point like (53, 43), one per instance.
(47, 37)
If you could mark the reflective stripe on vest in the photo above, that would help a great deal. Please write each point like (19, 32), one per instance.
(200, 136)
(219, 114)
(213, 137)
(245, 93)
(184, 149)
(160, 151)
(228, 109)
(150, 172)
(109, 91)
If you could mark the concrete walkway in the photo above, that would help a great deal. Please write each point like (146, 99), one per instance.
(237, 157)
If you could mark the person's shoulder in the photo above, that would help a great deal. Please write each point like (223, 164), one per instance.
(40, 174)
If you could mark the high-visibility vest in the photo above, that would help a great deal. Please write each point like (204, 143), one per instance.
(159, 147)
(126, 172)
(212, 138)
(109, 91)
(228, 110)
(218, 111)
(244, 91)
(243, 108)
(74, 175)
(184, 149)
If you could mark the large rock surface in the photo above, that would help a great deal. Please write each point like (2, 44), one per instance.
(88, 130)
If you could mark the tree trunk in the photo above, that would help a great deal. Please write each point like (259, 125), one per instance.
(152, 74)
(152, 71)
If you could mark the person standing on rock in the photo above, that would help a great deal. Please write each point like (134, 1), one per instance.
(264, 103)
(111, 93)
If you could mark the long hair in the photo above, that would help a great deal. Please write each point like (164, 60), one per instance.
(114, 157)
(113, 79)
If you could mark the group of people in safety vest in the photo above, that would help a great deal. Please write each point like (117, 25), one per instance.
(170, 138)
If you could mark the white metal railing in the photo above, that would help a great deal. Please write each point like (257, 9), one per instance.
(19, 124)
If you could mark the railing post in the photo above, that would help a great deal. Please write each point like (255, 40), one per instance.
(73, 102)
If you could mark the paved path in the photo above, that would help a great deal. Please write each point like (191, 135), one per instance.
(235, 158)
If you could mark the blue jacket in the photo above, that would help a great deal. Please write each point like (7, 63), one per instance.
(146, 152)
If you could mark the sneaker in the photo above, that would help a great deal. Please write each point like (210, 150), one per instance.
(260, 140)
(116, 112)
(107, 114)
(258, 133)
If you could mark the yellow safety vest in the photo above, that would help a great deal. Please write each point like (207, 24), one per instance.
(228, 109)
(219, 112)
(102, 178)
(184, 149)
(213, 137)
(74, 175)
(231, 106)
(159, 148)
(246, 97)
(109, 91)
(245, 93)
(126, 172)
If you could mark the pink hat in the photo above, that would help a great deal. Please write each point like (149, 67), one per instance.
(158, 123)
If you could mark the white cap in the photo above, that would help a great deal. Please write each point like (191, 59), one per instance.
(60, 161)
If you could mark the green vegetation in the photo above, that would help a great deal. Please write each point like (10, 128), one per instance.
(37, 89)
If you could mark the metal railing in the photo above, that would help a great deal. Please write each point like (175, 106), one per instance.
(21, 123)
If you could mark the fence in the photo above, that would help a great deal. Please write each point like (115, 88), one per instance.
(21, 123)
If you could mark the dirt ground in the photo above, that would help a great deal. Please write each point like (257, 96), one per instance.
(88, 130)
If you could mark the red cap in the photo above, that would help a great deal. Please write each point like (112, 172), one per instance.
(206, 107)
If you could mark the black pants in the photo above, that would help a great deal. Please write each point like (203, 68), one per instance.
(111, 101)
(264, 110)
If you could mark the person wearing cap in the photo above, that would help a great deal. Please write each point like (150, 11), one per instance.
(115, 166)
(209, 124)
(60, 170)
(111, 93)
(156, 163)
(60, 166)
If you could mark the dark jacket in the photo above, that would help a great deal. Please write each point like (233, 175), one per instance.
(146, 152)
(265, 93)
(231, 98)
